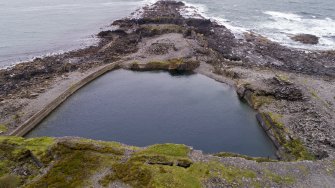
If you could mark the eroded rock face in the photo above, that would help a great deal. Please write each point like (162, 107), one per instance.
(290, 93)
(109, 33)
(285, 90)
(306, 38)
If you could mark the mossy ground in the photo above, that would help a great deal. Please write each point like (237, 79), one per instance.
(72, 170)
(166, 149)
(165, 65)
(257, 159)
(9, 181)
(283, 78)
(175, 64)
(258, 101)
(72, 162)
(19, 153)
(315, 95)
(284, 180)
(276, 119)
(3, 128)
(295, 150)
(137, 173)
(159, 29)
(17, 145)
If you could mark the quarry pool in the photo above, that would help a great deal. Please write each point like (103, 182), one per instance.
(145, 108)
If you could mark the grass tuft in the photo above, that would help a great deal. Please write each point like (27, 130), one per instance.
(9, 181)
(296, 148)
(174, 150)
(257, 159)
(3, 128)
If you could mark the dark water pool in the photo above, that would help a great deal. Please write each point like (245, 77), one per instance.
(144, 108)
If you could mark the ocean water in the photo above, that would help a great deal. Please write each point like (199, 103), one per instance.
(144, 108)
(275, 19)
(30, 28)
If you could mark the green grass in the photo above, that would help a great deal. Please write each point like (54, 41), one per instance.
(133, 173)
(283, 77)
(175, 177)
(135, 66)
(296, 148)
(3, 128)
(171, 64)
(15, 153)
(279, 179)
(278, 133)
(73, 162)
(257, 159)
(314, 93)
(158, 29)
(141, 169)
(179, 64)
(258, 101)
(150, 167)
(16, 117)
(140, 174)
(102, 147)
(9, 181)
(229, 173)
(71, 171)
(38, 146)
(174, 150)
(5, 165)
(276, 119)
(158, 65)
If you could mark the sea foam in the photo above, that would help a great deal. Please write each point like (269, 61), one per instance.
(278, 26)
(281, 26)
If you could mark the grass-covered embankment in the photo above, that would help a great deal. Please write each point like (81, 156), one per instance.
(76, 162)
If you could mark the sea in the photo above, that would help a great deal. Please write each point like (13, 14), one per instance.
(37, 28)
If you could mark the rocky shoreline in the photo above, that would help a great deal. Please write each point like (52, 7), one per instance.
(293, 90)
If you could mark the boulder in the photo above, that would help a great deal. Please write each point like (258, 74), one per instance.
(306, 38)
(290, 93)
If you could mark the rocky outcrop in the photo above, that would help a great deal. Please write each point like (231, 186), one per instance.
(283, 89)
(180, 65)
(306, 38)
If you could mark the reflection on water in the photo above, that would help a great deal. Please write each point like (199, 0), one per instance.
(144, 108)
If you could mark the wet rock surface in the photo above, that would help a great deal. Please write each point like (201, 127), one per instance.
(306, 38)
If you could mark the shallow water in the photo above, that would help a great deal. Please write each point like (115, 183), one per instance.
(144, 108)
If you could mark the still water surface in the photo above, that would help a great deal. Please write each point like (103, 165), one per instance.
(144, 108)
